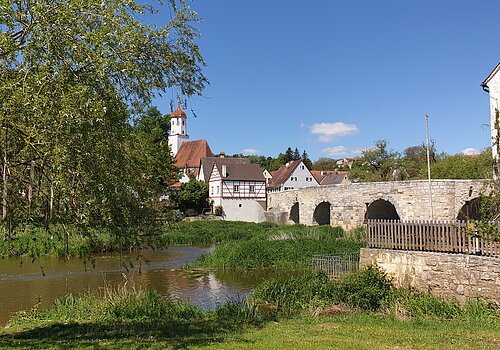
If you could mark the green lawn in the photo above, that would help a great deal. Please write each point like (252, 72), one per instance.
(359, 331)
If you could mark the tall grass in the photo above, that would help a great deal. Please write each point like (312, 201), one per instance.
(264, 253)
(368, 290)
(123, 306)
(31, 240)
(216, 232)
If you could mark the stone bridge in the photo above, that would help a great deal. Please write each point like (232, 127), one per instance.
(351, 205)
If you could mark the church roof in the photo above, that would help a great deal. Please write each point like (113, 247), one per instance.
(490, 76)
(191, 152)
(207, 164)
(178, 113)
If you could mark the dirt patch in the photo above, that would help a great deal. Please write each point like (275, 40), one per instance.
(329, 326)
(332, 310)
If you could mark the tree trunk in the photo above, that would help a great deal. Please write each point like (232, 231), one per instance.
(5, 171)
(30, 186)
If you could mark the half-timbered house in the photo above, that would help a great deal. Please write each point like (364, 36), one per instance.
(239, 190)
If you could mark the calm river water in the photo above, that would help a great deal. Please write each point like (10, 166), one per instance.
(24, 283)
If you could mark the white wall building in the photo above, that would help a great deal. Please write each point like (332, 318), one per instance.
(240, 189)
(492, 85)
(290, 176)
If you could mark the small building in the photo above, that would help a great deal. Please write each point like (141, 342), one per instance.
(290, 176)
(346, 162)
(492, 86)
(239, 190)
(331, 177)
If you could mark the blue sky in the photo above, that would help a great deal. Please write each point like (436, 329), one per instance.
(332, 77)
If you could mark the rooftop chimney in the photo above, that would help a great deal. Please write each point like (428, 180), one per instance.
(224, 170)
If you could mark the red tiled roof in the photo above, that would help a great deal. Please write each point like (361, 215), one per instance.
(283, 173)
(178, 113)
(191, 152)
(320, 175)
(332, 179)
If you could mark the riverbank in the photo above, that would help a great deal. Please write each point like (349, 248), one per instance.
(362, 311)
(238, 244)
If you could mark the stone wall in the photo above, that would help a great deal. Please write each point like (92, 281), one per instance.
(349, 202)
(448, 275)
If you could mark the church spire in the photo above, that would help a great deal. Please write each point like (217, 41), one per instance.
(178, 130)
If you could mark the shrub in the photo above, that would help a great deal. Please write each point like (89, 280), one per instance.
(367, 289)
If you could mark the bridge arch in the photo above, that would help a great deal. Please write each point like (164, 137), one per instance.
(295, 213)
(321, 214)
(381, 209)
(470, 210)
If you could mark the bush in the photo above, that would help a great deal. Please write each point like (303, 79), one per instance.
(367, 289)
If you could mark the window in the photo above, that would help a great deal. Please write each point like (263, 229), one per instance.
(239, 205)
(183, 122)
(302, 167)
(236, 188)
(212, 190)
(293, 178)
(217, 190)
(252, 189)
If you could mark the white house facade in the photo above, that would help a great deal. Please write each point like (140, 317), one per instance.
(492, 85)
(290, 176)
(240, 190)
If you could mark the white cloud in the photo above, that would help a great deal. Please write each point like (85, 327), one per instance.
(470, 151)
(329, 131)
(359, 150)
(334, 151)
(340, 151)
(251, 152)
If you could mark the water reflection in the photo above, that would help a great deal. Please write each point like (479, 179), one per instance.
(24, 283)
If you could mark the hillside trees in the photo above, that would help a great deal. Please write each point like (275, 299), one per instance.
(72, 74)
(379, 163)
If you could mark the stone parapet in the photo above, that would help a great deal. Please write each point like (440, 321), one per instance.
(458, 276)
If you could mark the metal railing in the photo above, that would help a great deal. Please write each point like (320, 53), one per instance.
(335, 266)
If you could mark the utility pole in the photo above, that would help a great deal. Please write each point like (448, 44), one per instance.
(428, 165)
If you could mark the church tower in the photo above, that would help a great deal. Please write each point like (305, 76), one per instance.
(178, 130)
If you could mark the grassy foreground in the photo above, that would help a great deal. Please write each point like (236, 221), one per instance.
(361, 311)
(359, 331)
